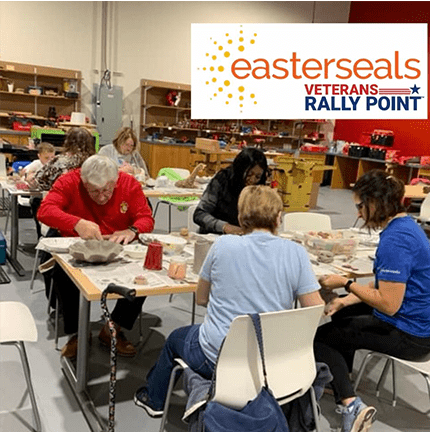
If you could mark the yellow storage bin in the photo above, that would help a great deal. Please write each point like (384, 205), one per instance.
(294, 182)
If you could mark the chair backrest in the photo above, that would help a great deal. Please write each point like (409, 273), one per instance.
(425, 208)
(288, 349)
(192, 226)
(305, 221)
(16, 323)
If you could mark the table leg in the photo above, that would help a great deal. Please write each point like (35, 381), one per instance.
(14, 228)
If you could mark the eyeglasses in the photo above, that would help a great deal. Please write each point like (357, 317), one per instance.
(360, 205)
(107, 190)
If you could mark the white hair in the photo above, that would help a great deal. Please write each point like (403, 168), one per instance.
(99, 170)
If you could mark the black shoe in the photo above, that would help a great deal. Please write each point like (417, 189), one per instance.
(141, 399)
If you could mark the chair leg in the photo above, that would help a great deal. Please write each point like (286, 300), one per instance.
(383, 375)
(193, 309)
(33, 274)
(315, 409)
(156, 208)
(26, 368)
(7, 219)
(427, 378)
(170, 218)
(361, 370)
(393, 369)
(168, 396)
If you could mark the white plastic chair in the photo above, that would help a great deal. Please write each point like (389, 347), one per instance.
(423, 367)
(288, 348)
(183, 173)
(305, 221)
(16, 327)
(424, 216)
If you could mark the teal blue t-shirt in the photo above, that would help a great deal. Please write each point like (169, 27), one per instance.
(254, 273)
(403, 255)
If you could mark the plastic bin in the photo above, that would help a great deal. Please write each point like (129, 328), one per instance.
(339, 243)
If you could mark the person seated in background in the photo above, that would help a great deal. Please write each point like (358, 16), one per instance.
(45, 152)
(78, 146)
(254, 273)
(217, 210)
(391, 314)
(96, 202)
(124, 152)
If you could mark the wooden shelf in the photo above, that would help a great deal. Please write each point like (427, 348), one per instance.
(38, 106)
(179, 108)
(36, 96)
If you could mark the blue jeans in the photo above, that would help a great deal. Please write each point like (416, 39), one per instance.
(184, 343)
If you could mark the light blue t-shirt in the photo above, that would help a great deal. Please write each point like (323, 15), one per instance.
(403, 255)
(254, 273)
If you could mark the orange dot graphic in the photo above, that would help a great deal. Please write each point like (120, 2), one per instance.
(207, 54)
(214, 94)
(241, 88)
(213, 79)
(213, 57)
(204, 68)
(252, 95)
(255, 102)
(230, 95)
(226, 102)
(240, 97)
(215, 42)
(241, 105)
(220, 89)
(220, 48)
(241, 32)
(212, 68)
(230, 41)
(207, 82)
(255, 34)
(221, 68)
(241, 39)
(226, 34)
(241, 48)
(226, 83)
(226, 54)
(252, 41)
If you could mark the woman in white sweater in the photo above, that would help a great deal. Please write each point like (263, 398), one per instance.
(125, 154)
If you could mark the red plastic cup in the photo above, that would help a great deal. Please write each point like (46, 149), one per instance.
(154, 256)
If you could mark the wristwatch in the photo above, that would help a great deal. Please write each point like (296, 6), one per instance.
(347, 285)
(134, 229)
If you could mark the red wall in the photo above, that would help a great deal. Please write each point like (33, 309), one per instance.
(412, 137)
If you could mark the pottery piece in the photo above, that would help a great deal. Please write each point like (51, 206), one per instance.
(95, 251)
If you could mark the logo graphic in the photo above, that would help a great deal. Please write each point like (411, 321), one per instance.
(308, 71)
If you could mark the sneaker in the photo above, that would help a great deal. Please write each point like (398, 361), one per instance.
(357, 416)
(124, 347)
(141, 399)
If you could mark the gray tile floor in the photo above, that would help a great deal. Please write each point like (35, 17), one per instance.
(58, 408)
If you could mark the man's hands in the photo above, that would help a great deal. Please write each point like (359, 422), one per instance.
(88, 230)
(124, 237)
(127, 168)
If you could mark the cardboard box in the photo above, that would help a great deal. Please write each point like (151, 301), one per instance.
(207, 144)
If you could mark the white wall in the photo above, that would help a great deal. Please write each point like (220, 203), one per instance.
(145, 39)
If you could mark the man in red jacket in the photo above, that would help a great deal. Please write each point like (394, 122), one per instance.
(96, 202)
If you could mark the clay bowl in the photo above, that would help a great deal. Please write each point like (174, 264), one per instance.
(95, 251)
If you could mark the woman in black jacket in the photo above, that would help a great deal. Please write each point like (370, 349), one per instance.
(217, 209)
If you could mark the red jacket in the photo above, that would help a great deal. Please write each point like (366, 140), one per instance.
(68, 202)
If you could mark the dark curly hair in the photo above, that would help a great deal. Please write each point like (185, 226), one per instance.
(79, 141)
(247, 159)
(384, 192)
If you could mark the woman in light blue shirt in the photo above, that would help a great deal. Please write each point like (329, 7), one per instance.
(253, 273)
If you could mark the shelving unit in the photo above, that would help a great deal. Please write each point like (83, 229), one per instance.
(163, 120)
(19, 103)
